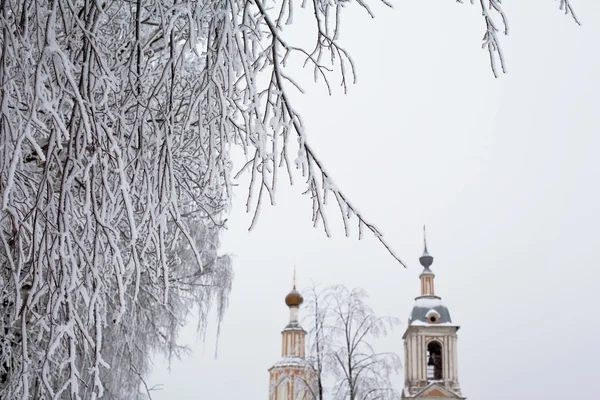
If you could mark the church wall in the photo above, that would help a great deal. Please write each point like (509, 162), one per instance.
(290, 383)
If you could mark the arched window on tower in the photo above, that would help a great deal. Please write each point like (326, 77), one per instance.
(434, 361)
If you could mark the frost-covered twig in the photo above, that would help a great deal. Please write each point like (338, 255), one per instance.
(565, 5)
(490, 39)
(283, 119)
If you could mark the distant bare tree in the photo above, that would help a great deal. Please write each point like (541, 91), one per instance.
(316, 310)
(341, 329)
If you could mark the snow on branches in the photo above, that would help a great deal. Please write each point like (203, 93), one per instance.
(341, 331)
(274, 120)
(114, 174)
(116, 122)
(490, 39)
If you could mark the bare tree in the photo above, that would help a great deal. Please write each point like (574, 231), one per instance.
(116, 122)
(317, 311)
(341, 329)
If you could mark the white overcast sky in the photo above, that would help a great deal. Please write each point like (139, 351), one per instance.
(504, 173)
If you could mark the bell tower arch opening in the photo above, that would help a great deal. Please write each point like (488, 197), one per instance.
(434, 361)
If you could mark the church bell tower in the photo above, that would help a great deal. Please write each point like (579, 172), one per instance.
(430, 352)
(292, 377)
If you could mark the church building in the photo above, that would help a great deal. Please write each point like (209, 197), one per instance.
(292, 377)
(430, 352)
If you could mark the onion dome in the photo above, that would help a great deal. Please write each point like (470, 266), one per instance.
(294, 298)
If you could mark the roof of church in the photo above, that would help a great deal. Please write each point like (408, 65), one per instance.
(424, 305)
(429, 310)
(293, 326)
(434, 390)
(291, 361)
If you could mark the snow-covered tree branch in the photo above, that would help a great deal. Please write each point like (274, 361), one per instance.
(496, 21)
(117, 119)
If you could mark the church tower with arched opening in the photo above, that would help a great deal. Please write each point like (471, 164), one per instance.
(292, 377)
(430, 352)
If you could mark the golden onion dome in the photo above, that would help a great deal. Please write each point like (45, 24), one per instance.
(294, 298)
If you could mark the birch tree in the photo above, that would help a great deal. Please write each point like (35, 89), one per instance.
(117, 118)
(342, 328)
(317, 311)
